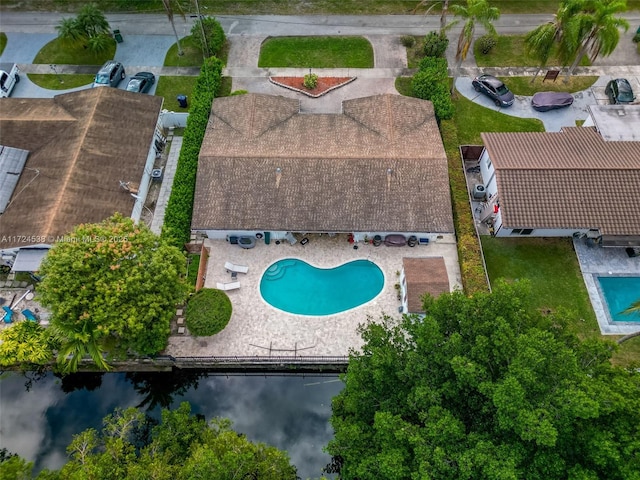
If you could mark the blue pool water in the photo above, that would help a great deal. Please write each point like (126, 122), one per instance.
(296, 287)
(620, 293)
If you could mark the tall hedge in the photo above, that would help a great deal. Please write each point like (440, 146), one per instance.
(431, 83)
(177, 220)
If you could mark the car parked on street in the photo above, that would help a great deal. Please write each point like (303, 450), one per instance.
(141, 82)
(619, 91)
(110, 74)
(545, 101)
(494, 89)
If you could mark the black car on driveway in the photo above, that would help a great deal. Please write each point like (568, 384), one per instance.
(494, 89)
(141, 82)
(619, 91)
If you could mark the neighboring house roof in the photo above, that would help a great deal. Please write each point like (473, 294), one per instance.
(81, 145)
(29, 259)
(568, 179)
(424, 276)
(617, 122)
(378, 166)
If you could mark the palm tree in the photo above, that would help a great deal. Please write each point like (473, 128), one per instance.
(169, 9)
(443, 15)
(476, 11)
(78, 342)
(599, 29)
(90, 27)
(581, 27)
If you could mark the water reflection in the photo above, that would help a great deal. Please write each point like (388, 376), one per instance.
(290, 413)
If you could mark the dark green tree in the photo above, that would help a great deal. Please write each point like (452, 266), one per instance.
(209, 34)
(112, 289)
(485, 388)
(182, 446)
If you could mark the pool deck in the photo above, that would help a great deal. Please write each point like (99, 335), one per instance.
(604, 262)
(258, 329)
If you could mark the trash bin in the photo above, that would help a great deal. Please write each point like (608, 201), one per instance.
(117, 35)
(182, 100)
(267, 238)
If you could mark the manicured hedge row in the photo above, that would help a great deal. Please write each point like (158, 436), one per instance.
(431, 82)
(177, 220)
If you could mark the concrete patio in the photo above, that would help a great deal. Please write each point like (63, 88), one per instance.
(258, 329)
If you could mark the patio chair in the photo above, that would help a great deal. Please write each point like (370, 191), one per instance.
(228, 286)
(232, 267)
(7, 317)
(29, 315)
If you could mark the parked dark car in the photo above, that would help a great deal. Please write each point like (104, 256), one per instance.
(545, 101)
(141, 82)
(109, 75)
(619, 91)
(494, 89)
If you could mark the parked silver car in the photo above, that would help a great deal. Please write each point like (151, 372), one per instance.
(109, 75)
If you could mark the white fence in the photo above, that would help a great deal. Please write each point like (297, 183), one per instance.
(173, 119)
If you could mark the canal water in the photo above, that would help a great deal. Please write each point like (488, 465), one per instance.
(40, 414)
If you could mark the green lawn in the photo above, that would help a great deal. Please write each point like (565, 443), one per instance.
(471, 119)
(552, 268)
(3, 41)
(316, 52)
(171, 87)
(59, 52)
(511, 52)
(523, 85)
(192, 56)
(60, 82)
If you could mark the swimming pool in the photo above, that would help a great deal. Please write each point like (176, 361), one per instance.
(296, 287)
(619, 293)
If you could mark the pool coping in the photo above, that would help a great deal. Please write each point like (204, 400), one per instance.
(605, 262)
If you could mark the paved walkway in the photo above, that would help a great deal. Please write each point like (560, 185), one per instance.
(174, 144)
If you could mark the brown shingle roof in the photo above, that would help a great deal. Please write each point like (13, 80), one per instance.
(424, 276)
(81, 144)
(568, 179)
(333, 168)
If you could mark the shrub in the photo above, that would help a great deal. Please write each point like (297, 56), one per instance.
(408, 41)
(431, 83)
(435, 44)
(310, 81)
(208, 312)
(486, 43)
(177, 220)
(213, 32)
(636, 37)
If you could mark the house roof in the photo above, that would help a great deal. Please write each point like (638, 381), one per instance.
(380, 165)
(424, 276)
(617, 122)
(81, 145)
(568, 179)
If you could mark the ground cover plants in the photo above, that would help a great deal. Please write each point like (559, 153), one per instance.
(524, 86)
(510, 51)
(316, 52)
(60, 52)
(60, 82)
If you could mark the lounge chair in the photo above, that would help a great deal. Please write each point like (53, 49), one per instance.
(29, 315)
(232, 267)
(8, 315)
(228, 286)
